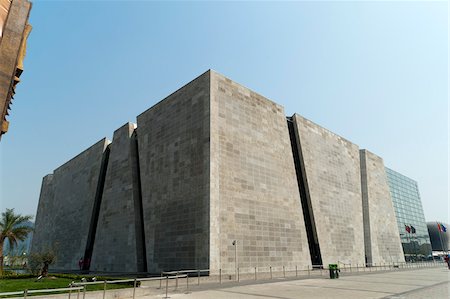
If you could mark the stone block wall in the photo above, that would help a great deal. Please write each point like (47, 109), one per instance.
(44, 222)
(254, 193)
(382, 238)
(331, 167)
(118, 245)
(211, 164)
(66, 207)
(173, 141)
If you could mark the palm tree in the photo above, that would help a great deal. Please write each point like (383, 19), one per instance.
(12, 227)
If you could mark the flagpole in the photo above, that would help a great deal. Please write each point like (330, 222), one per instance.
(445, 241)
(440, 237)
(409, 242)
(414, 244)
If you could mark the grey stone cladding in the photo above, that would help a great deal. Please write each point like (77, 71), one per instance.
(331, 168)
(173, 140)
(254, 193)
(382, 238)
(118, 245)
(208, 180)
(45, 222)
(66, 207)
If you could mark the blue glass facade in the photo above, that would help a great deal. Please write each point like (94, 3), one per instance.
(409, 212)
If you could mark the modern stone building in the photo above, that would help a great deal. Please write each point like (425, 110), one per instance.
(381, 234)
(14, 30)
(215, 177)
(120, 209)
(68, 208)
(331, 181)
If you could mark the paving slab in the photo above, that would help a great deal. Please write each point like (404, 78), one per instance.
(412, 284)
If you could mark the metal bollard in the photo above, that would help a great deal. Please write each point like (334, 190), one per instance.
(104, 289)
(220, 276)
(160, 281)
(25, 293)
(134, 288)
(296, 271)
(187, 282)
(255, 273)
(167, 285)
(198, 278)
(309, 272)
(271, 272)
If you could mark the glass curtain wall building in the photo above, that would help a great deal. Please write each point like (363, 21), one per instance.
(410, 217)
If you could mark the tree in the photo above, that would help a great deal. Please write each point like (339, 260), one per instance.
(12, 227)
(39, 262)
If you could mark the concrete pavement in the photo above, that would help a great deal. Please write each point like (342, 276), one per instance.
(432, 283)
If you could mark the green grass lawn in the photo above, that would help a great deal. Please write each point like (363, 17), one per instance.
(20, 284)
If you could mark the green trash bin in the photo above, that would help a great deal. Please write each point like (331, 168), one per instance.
(334, 271)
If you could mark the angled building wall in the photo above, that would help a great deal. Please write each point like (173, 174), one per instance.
(214, 177)
(254, 193)
(67, 207)
(331, 176)
(173, 141)
(216, 166)
(44, 223)
(118, 245)
(381, 235)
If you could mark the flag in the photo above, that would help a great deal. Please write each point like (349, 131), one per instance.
(444, 229)
(439, 227)
(408, 229)
(413, 229)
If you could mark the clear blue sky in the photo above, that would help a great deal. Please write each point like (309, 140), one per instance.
(373, 72)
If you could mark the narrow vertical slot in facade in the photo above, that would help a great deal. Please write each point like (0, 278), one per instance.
(96, 209)
(314, 248)
(138, 211)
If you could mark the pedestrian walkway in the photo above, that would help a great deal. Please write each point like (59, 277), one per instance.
(432, 283)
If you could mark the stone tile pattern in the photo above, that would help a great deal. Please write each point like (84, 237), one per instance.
(44, 223)
(173, 141)
(254, 192)
(66, 205)
(382, 237)
(117, 247)
(331, 166)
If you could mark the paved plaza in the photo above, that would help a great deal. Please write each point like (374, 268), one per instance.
(429, 283)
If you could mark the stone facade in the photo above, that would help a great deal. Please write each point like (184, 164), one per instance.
(332, 172)
(66, 207)
(382, 238)
(44, 223)
(213, 177)
(120, 210)
(254, 194)
(173, 140)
